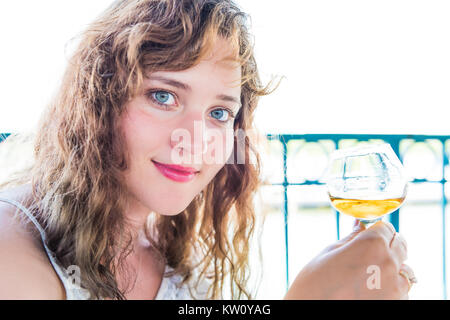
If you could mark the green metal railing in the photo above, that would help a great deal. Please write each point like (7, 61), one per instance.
(337, 139)
(3, 136)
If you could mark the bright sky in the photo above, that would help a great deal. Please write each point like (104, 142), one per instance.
(350, 66)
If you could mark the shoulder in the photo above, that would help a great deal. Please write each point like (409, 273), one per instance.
(25, 270)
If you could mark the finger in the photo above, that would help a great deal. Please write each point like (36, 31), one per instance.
(385, 229)
(410, 272)
(357, 228)
(399, 247)
(405, 285)
(358, 225)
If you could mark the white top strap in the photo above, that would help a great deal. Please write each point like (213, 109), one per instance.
(170, 287)
(59, 271)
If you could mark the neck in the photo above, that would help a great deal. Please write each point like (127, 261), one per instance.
(136, 217)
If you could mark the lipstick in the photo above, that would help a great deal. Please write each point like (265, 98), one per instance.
(175, 172)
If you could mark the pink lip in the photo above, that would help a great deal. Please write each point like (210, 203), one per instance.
(176, 173)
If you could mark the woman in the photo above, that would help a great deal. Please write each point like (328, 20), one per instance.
(137, 191)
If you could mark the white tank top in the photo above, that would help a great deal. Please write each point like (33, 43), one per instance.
(170, 288)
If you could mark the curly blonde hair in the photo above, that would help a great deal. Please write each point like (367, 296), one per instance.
(80, 154)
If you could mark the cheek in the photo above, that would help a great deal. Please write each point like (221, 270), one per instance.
(143, 133)
(229, 144)
(220, 148)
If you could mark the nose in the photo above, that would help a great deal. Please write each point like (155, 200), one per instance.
(190, 137)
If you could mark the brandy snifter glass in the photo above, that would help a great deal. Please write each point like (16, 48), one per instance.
(366, 182)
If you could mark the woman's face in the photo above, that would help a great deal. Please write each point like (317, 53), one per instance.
(182, 118)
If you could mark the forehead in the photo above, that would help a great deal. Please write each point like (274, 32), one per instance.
(216, 67)
(223, 57)
(220, 55)
(220, 50)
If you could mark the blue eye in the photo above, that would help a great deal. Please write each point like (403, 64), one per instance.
(163, 98)
(222, 115)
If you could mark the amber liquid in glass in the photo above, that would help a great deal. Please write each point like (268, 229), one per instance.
(366, 209)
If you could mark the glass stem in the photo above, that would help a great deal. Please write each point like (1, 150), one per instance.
(368, 223)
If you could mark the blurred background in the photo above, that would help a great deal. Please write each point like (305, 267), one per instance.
(348, 67)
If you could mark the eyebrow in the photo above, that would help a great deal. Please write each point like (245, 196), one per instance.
(227, 98)
(186, 87)
(171, 82)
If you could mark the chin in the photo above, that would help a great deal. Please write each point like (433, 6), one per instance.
(170, 211)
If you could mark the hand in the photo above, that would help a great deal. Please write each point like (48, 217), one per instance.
(364, 265)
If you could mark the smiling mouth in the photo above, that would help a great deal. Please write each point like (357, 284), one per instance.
(176, 173)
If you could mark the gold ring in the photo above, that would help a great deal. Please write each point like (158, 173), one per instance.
(411, 280)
